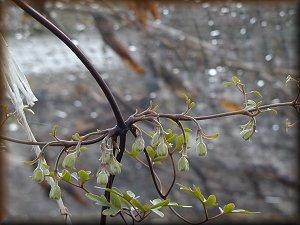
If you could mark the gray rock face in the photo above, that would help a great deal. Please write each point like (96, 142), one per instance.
(193, 50)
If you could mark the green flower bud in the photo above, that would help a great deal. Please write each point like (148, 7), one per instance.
(139, 143)
(247, 134)
(162, 149)
(102, 178)
(156, 137)
(114, 167)
(38, 175)
(55, 192)
(183, 164)
(69, 160)
(201, 149)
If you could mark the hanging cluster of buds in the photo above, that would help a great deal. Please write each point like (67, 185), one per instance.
(109, 164)
(158, 140)
(248, 129)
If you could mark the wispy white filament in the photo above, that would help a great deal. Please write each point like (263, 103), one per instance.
(16, 86)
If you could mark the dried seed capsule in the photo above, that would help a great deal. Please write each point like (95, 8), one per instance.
(201, 149)
(55, 192)
(38, 175)
(69, 160)
(183, 164)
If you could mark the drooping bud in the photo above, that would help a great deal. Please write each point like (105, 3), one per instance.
(248, 129)
(155, 138)
(102, 178)
(55, 192)
(183, 164)
(201, 149)
(38, 175)
(114, 167)
(69, 160)
(162, 149)
(247, 134)
(139, 143)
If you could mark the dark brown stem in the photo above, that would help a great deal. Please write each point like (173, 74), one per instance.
(63, 37)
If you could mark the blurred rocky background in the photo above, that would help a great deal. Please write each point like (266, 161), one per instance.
(176, 48)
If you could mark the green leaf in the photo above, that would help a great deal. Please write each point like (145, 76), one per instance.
(235, 79)
(157, 212)
(211, 201)
(172, 138)
(159, 203)
(47, 167)
(188, 130)
(197, 193)
(115, 201)
(137, 204)
(192, 105)
(99, 200)
(30, 163)
(76, 137)
(111, 211)
(185, 188)
(257, 93)
(84, 148)
(53, 132)
(159, 158)
(84, 175)
(66, 175)
(242, 211)
(179, 142)
(151, 152)
(228, 83)
(134, 153)
(51, 174)
(213, 136)
(228, 208)
(187, 99)
(168, 133)
(123, 200)
(128, 195)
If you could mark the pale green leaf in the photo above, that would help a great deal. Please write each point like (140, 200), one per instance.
(228, 208)
(110, 211)
(235, 79)
(228, 83)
